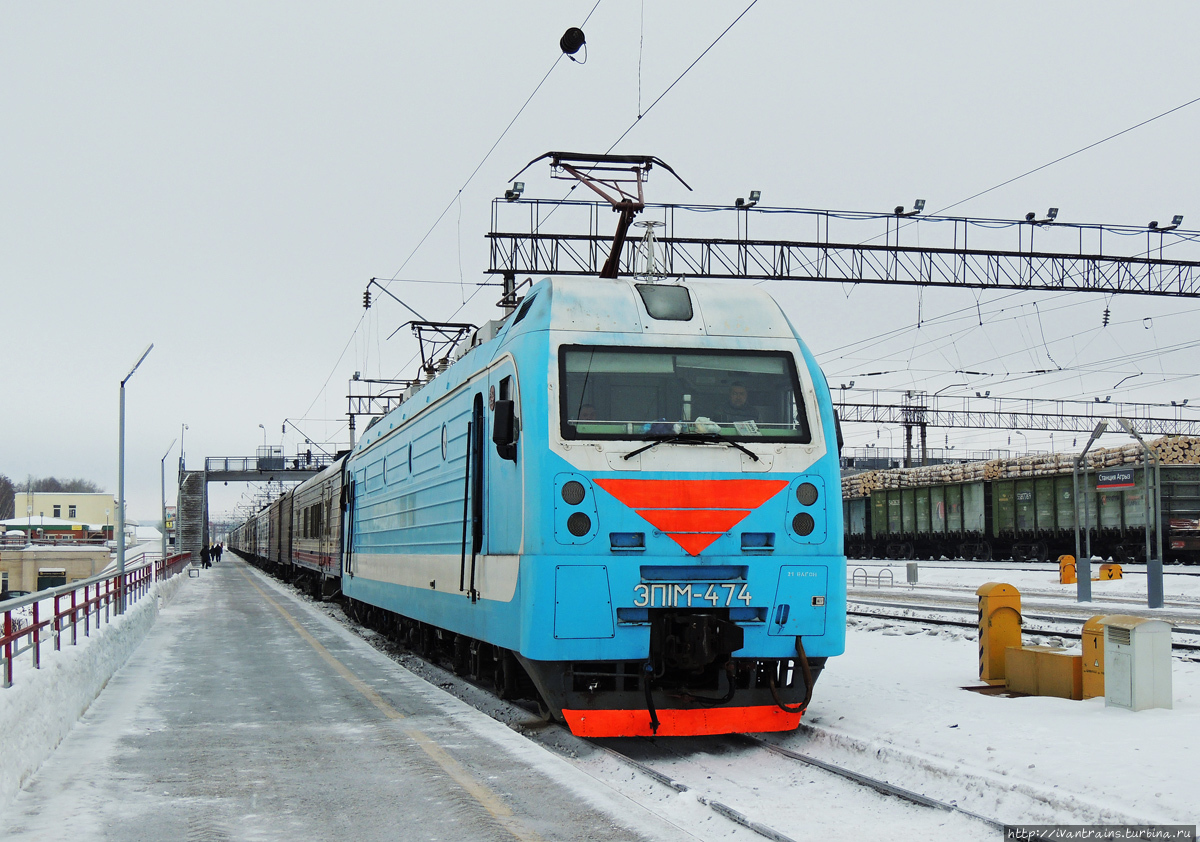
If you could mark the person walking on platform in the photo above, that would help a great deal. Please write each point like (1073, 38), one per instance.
(220, 550)
(206, 557)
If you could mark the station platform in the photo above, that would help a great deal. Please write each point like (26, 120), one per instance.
(247, 713)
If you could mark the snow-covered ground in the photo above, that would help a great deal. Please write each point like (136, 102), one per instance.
(43, 705)
(895, 698)
(894, 707)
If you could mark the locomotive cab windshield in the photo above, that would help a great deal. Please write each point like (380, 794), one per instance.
(621, 393)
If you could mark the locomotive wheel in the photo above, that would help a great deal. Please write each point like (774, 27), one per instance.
(1040, 551)
(425, 641)
(461, 662)
(505, 677)
(982, 551)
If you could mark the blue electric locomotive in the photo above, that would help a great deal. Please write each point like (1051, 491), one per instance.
(630, 488)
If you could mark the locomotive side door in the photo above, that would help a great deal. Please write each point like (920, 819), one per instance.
(504, 492)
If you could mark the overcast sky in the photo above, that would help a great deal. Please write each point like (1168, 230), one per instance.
(222, 179)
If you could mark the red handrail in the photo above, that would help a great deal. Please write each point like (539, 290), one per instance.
(99, 601)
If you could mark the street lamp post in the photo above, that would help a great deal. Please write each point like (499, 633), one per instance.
(1083, 566)
(264, 429)
(163, 477)
(121, 489)
(1154, 566)
(183, 428)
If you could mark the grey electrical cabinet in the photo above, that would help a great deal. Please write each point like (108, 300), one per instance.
(1137, 662)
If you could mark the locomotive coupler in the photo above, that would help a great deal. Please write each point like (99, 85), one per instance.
(690, 642)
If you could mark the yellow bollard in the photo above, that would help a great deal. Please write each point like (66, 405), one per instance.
(999, 628)
(1066, 570)
(1093, 657)
(1111, 571)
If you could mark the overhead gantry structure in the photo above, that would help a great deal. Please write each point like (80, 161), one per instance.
(1037, 253)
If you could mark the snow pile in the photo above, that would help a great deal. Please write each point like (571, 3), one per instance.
(42, 706)
(895, 702)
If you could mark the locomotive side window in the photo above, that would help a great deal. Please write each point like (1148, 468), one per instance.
(620, 393)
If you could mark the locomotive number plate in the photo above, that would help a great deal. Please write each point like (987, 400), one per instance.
(691, 594)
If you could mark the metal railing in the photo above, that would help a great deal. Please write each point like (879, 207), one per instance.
(88, 602)
(273, 463)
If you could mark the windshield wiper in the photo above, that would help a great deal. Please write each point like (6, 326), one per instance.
(692, 438)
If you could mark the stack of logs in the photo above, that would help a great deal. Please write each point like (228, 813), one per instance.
(1171, 450)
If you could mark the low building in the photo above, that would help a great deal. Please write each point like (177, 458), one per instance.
(33, 529)
(78, 507)
(35, 568)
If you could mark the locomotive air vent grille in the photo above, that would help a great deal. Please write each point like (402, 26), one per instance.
(572, 493)
(803, 524)
(1117, 635)
(579, 524)
(806, 493)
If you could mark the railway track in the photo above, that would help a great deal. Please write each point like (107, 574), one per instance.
(1071, 615)
(559, 739)
(762, 829)
(1190, 648)
(1024, 566)
(966, 596)
(525, 720)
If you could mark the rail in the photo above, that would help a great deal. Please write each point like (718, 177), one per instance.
(89, 602)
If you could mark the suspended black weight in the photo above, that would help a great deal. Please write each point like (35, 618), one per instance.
(572, 41)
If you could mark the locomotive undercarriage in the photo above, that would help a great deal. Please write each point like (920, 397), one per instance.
(690, 666)
(693, 670)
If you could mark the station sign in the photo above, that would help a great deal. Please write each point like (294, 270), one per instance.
(1114, 479)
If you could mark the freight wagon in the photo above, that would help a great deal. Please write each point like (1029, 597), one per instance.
(1029, 518)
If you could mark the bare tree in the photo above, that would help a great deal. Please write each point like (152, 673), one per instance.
(50, 485)
(8, 495)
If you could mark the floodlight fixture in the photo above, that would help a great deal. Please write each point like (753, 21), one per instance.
(1176, 221)
(742, 204)
(918, 206)
(1050, 216)
(986, 394)
(515, 192)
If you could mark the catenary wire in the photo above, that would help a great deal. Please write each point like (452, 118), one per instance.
(450, 204)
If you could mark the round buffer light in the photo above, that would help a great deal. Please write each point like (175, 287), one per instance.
(803, 524)
(572, 493)
(806, 493)
(580, 524)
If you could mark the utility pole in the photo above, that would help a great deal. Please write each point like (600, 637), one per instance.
(121, 489)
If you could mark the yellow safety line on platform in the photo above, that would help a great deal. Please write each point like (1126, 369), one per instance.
(485, 796)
